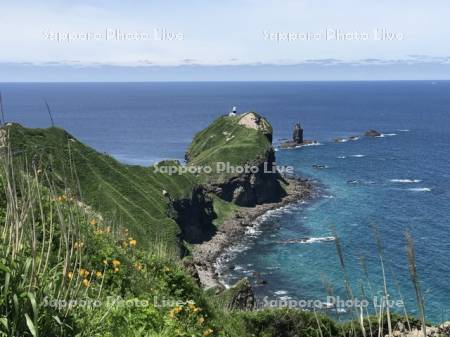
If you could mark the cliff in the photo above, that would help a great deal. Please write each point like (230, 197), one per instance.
(153, 203)
(239, 151)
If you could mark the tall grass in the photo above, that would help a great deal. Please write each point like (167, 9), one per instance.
(36, 247)
(415, 280)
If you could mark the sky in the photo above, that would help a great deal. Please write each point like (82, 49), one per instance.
(86, 40)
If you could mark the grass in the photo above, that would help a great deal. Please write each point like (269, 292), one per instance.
(223, 209)
(76, 224)
(130, 195)
(225, 140)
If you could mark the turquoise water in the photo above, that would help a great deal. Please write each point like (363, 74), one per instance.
(391, 182)
(144, 122)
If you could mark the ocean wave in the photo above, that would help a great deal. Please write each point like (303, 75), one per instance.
(358, 155)
(320, 239)
(386, 135)
(310, 144)
(404, 130)
(405, 181)
(420, 189)
(308, 240)
(342, 157)
(280, 292)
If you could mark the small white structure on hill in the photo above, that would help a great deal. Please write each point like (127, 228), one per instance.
(233, 112)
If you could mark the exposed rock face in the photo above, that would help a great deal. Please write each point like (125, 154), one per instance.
(189, 266)
(250, 189)
(194, 215)
(242, 296)
(372, 133)
(297, 135)
(226, 141)
(253, 121)
(442, 330)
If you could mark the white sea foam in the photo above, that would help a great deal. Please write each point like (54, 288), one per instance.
(308, 240)
(358, 155)
(386, 135)
(252, 231)
(420, 189)
(342, 157)
(320, 239)
(312, 144)
(404, 130)
(405, 181)
(280, 292)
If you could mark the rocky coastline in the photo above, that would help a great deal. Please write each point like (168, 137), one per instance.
(233, 229)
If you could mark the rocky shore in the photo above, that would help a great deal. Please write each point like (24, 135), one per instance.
(232, 230)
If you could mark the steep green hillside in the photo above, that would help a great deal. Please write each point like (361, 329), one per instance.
(229, 140)
(129, 195)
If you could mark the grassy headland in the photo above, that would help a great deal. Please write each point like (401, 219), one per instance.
(77, 225)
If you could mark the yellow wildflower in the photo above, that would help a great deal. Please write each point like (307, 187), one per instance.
(208, 332)
(93, 222)
(86, 283)
(178, 309)
(98, 274)
(116, 263)
(84, 272)
(116, 270)
(133, 243)
(69, 275)
(167, 269)
(138, 266)
(200, 320)
(105, 261)
(78, 245)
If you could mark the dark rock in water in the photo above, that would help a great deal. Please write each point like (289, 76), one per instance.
(372, 133)
(289, 145)
(340, 140)
(297, 139)
(242, 296)
(261, 282)
(297, 134)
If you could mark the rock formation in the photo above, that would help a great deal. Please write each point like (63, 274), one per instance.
(240, 141)
(297, 135)
(297, 139)
(241, 296)
(372, 133)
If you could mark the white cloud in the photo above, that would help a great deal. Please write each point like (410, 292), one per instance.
(223, 33)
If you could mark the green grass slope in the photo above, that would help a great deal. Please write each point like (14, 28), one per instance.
(129, 195)
(225, 140)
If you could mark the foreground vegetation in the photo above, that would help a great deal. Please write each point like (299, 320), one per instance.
(88, 248)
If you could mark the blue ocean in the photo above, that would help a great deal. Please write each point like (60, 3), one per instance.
(397, 183)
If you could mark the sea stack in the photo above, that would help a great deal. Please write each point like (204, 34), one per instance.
(297, 139)
(297, 135)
